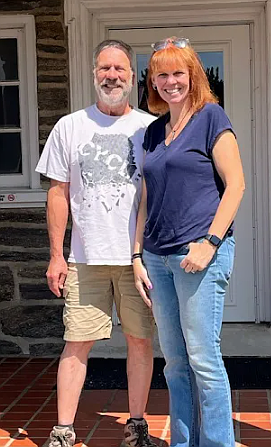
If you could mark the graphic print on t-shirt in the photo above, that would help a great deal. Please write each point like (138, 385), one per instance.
(107, 163)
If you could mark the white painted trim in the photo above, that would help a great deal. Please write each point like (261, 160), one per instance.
(268, 96)
(75, 59)
(142, 5)
(26, 23)
(87, 27)
(260, 83)
(22, 198)
(87, 42)
(31, 67)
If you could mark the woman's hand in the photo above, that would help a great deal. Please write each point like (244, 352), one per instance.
(199, 256)
(142, 281)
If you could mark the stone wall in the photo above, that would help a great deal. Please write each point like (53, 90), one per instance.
(30, 315)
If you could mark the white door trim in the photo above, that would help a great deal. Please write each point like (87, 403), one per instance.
(120, 5)
(268, 96)
(88, 23)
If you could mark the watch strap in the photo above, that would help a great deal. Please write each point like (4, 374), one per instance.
(213, 239)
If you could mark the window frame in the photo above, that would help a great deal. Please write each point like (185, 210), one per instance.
(15, 192)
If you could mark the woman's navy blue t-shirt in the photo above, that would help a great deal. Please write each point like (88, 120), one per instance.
(183, 186)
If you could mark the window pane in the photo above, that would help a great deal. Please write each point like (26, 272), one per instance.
(213, 65)
(10, 153)
(142, 71)
(8, 60)
(9, 106)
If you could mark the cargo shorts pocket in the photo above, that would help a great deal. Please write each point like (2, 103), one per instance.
(71, 276)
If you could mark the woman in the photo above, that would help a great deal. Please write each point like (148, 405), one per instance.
(194, 184)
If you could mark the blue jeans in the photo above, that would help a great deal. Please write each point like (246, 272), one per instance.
(188, 310)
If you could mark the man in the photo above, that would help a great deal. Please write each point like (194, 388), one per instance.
(94, 158)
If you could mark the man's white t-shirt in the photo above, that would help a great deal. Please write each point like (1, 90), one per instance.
(101, 156)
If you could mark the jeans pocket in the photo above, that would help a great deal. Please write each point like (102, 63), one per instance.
(225, 257)
(230, 241)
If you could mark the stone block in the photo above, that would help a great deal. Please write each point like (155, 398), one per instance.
(32, 272)
(17, 5)
(53, 79)
(49, 3)
(49, 120)
(53, 99)
(6, 284)
(36, 292)
(9, 348)
(26, 5)
(23, 215)
(49, 29)
(24, 237)
(55, 49)
(32, 321)
(47, 64)
(27, 237)
(22, 256)
(44, 134)
(41, 349)
(19, 256)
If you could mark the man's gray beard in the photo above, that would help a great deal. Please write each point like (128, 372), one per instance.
(113, 100)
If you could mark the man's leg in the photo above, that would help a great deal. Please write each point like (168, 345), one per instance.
(70, 379)
(139, 373)
(137, 324)
(87, 316)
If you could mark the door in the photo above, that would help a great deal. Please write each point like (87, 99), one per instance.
(221, 49)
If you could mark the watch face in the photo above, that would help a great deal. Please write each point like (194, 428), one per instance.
(213, 239)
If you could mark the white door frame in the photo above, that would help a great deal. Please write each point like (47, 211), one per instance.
(88, 23)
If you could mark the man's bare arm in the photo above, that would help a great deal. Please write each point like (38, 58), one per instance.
(57, 217)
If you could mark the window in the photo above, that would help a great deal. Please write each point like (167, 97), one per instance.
(19, 184)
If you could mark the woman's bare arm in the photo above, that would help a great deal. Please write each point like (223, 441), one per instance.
(142, 281)
(228, 164)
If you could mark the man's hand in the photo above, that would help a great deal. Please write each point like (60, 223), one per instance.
(56, 274)
(142, 281)
(199, 256)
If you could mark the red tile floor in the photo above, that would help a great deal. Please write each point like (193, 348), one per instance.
(28, 410)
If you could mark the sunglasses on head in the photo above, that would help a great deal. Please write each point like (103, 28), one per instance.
(181, 42)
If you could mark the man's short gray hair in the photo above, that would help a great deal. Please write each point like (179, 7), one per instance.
(113, 43)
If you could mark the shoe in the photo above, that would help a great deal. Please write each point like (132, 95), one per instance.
(62, 437)
(136, 434)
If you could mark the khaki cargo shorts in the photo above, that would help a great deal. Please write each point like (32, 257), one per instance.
(89, 293)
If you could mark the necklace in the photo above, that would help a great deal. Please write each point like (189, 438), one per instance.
(173, 131)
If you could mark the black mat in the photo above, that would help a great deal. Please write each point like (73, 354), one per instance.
(244, 373)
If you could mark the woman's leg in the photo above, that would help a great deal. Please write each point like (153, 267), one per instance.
(179, 376)
(201, 300)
